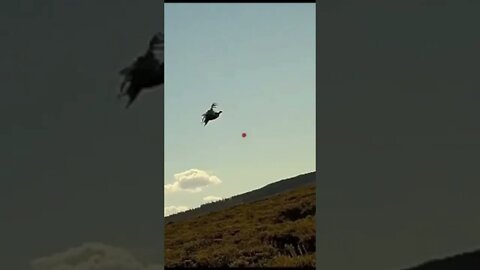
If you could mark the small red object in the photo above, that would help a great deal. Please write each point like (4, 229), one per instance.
(244, 134)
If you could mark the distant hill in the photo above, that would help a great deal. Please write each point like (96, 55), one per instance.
(266, 228)
(255, 195)
(465, 261)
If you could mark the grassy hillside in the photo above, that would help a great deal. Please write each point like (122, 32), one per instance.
(277, 231)
(251, 196)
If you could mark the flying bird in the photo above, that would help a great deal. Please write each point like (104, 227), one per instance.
(210, 114)
(146, 72)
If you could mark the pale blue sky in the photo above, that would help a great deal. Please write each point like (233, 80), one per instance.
(257, 61)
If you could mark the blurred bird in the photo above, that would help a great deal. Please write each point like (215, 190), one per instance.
(146, 72)
(210, 114)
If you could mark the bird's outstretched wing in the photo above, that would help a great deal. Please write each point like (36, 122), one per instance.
(156, 40)
(126, 70)
(205, 119)
(156, 46)
(146, 71)
(152, 58)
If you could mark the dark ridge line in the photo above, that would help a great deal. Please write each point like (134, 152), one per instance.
(469, 260)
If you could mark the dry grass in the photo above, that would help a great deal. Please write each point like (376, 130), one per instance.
(279, 231)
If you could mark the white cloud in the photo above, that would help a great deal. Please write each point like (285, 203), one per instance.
(192, 180)
(92, 256)
(211, 198)
(170, 210)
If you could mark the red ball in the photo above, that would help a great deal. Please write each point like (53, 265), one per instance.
(244, 134)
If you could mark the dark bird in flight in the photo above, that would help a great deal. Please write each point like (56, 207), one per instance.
(210, 114)
(146, 72)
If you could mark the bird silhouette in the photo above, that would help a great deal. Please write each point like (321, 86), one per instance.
(210, 115)
(146, 72)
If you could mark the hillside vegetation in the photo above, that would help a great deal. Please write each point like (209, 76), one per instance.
(251, 196)
(278, 231)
